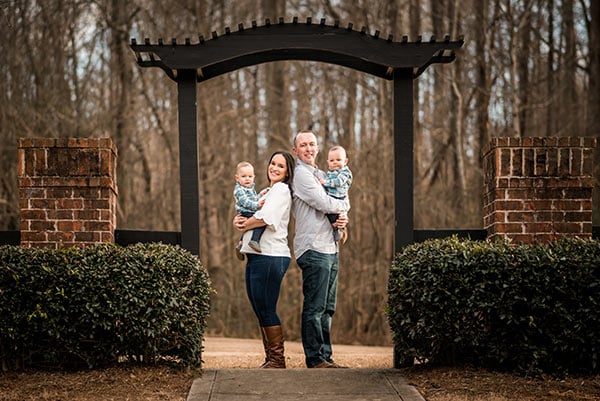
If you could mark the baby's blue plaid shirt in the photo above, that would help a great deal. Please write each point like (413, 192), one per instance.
(246, 198)
(337, 182)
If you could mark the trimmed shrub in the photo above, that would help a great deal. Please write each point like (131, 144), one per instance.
(99, 305)
(527, 308)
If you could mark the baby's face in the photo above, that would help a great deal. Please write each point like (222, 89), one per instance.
(336, 159)
(245, 176)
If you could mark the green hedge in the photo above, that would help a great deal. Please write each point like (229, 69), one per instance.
(531, 309)
(100, 305)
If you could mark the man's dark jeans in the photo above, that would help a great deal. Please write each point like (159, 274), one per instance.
(319, 286)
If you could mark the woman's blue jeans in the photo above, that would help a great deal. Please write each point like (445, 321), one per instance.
(319, 286)
(263, 282)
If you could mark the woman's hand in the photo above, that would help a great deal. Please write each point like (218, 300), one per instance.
(239, 222)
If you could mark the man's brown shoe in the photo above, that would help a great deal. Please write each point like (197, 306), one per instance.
(322, 365)
(335, 365)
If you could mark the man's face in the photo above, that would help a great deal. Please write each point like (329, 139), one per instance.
(306, 148)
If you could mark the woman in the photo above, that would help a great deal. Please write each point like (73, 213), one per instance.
(265, 270)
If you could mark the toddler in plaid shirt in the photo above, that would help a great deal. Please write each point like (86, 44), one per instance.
(247, 202)
(337, 181)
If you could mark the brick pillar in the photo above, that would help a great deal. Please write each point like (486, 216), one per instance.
(538, 189)
(68, 191)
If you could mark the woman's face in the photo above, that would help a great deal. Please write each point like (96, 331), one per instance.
(277, 169)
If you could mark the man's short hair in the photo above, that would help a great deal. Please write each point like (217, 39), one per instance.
(306, 131)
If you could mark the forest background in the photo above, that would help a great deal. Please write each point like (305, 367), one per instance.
(527, 68)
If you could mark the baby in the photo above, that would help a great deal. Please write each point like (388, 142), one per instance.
(337, 182)
(247, 202)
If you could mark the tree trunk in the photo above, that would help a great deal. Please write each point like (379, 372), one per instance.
(118, 20)
(522, 60)
(483, 90)
(550, 84)
(568, 101)
(593, 89)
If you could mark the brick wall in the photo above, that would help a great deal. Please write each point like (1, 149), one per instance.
(538, 189)
(68, 191)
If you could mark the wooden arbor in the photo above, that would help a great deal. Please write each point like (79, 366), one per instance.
(189, 63)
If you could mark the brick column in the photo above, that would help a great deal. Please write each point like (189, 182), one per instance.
(538, 189)
(68, 191)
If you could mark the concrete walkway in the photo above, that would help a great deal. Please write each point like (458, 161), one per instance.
(302, 384)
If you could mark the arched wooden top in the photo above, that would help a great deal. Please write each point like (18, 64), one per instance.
(359, 50)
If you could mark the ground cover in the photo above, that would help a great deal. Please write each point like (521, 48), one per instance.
(136, 383)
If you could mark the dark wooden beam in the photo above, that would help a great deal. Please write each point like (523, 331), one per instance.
(128, 237)
(359, 50)
(403, 175)
(472, 234)
(10, 237)
(403, 158)
(188, 161)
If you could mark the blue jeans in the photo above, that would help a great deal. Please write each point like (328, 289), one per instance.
(256, 232)
(263, 282)
(319, 286)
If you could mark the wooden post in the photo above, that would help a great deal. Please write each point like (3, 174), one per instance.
(403, 174)
(403, 159)
(188, 161)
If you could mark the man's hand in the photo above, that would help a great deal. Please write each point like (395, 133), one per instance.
(341, 221)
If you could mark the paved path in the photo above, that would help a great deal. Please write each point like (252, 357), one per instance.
(302, 384)
(230, 374)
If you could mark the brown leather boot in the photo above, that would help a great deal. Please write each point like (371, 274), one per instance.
(266, 346)
(275, 356)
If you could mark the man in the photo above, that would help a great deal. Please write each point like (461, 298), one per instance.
(316, 251)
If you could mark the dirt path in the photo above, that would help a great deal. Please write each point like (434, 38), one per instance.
(226, 353)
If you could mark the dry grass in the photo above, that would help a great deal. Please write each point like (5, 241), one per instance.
(451, 384)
